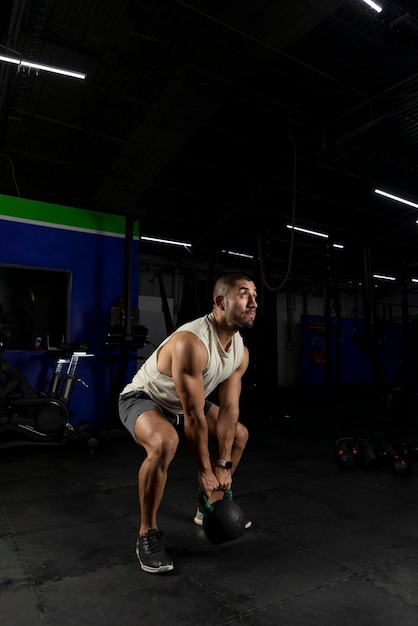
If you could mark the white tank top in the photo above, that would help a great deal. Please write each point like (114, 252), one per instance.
(220, 365)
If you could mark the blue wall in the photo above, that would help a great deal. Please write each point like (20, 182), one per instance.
(356, 366)
(96, 262)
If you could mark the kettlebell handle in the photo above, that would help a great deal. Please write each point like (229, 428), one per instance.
(206, 505)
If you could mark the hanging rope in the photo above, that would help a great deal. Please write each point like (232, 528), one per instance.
(292, 235)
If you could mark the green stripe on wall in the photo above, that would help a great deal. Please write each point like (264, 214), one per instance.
(67, 217)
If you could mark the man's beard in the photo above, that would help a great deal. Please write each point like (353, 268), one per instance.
(244, 322)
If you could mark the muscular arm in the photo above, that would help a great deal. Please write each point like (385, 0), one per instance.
(188, 359)
(229, 396)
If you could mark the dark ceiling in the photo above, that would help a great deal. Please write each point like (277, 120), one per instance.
(218, 123)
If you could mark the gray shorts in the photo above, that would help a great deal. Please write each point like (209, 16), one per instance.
(133, 403)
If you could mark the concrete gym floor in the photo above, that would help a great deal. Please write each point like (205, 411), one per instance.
(327, 546)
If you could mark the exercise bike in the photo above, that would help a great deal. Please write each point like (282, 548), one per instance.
(28, 417)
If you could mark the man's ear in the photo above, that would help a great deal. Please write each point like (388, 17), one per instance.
(219, 301)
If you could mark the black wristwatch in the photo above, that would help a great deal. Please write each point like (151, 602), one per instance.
(225, 464)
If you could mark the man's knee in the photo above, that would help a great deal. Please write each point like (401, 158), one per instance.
(242, 434)
(165, 440)
(170, 443)
(162, 450)
(158, 437)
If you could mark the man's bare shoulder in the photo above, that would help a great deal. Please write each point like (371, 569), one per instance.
(183, 347)
(185, 339)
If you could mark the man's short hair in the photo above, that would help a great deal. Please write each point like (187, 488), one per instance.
(228, 281)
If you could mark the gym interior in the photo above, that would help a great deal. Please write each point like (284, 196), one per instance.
(328, 478)
(205, 140)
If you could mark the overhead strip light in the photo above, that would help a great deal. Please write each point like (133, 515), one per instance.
(391, 196)
(44, 68)
(383, 277)
(167, 241)
(307, 231)
(315, 233)
(373, 5)
(242, 254)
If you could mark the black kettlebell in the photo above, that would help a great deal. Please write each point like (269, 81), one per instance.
(223, 520)
(401, 460)
(347, 451)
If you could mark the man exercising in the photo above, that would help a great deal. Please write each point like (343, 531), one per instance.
(172, 386)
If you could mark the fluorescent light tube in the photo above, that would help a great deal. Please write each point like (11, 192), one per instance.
(383, 277)
(307, 231)
(40, 66)
(168, 241)
(373, 5)
(396, 198)
(231, 252)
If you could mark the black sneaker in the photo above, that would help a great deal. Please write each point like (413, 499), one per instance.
(151, 554)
